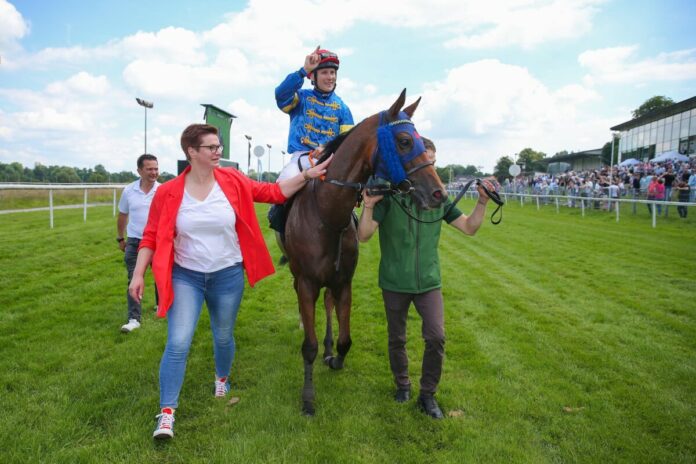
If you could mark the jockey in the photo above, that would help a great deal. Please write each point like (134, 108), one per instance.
(317, 115)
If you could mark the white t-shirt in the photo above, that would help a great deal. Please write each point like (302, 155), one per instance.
(136, 204)
(206, 240)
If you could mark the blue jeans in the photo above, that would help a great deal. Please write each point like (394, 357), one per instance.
(222, 291)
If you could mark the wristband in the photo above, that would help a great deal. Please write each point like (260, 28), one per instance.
(306, 177)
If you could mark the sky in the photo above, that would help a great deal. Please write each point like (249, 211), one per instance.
(495, 77)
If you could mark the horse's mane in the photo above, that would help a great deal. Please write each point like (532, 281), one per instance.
(336, 142)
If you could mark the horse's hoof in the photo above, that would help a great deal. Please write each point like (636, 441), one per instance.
(327, 360)
(335, 363)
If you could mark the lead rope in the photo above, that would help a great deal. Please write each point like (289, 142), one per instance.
(492, 195)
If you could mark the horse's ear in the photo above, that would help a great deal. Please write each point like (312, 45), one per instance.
(410, 109)
(396, 107)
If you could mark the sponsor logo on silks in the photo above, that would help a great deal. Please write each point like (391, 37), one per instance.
(311, 128)
(306, 141)
(333, 105)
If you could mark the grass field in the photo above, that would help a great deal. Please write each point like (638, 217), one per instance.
(569, 339)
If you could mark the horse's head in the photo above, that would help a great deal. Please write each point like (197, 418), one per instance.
(401, 158)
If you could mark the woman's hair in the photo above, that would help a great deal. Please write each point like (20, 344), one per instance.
(191, 137)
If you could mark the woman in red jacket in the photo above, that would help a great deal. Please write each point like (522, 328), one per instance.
(201, 235)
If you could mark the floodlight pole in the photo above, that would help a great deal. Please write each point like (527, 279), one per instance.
(145, 105)
(248, 137)
(269, 161)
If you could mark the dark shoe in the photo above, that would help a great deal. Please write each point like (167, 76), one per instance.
(429, 406)
(283, 260)
(402, 395)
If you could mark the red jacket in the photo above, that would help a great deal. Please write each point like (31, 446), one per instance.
(241, 192)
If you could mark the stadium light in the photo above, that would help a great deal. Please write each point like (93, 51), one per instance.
(248, 137)
(269, 161)
(146, 105)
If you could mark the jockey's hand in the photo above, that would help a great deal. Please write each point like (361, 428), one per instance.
(491, 184)
(312, 60)
(370, 200)
(320, 169)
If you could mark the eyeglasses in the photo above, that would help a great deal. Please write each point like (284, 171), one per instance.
(213, 148)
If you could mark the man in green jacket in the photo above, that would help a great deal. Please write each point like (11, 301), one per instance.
(409, 271)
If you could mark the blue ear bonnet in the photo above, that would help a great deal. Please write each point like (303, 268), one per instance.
(387, 161)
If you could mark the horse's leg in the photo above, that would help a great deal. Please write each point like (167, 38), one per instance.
(329, 304)
(307, 294)
(343, 298)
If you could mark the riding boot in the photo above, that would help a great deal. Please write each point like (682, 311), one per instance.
(280, 240)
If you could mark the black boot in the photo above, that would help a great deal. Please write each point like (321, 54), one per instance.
(427, 404)
(402, 395)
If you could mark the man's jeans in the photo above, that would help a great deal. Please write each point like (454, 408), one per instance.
(131, 257)
(222, 291)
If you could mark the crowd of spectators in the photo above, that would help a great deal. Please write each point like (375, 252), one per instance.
(645, 181)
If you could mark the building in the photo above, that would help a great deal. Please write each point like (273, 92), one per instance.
(579, 161)
(664, 130)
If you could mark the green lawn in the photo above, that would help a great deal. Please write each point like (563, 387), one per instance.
(569, 339)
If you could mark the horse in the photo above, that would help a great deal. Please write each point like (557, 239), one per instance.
(321, 236)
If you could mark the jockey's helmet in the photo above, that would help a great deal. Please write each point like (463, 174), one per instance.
(328, 60)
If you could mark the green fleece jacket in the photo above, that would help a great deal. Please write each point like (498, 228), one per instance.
(410, 262)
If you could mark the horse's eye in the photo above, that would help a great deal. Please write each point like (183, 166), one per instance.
(404, 143)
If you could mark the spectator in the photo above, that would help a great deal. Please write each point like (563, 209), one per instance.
(133, 209)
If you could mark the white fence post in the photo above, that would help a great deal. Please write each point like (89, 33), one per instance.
(114, 202)
(50, 206)
(84, 214)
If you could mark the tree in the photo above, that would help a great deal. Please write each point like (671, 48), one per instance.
(606, 153)
(530, 159)
(652, 104)
(500, 171)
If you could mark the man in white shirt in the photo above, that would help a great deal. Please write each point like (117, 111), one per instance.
(133, 209)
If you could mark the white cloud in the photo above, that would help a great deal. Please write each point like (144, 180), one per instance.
(12, 26)
(487, 109)
(525, 24)
(619, 65)
(171, 44)
(80, 83)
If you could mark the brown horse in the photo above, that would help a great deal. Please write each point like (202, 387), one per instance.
(321, 237)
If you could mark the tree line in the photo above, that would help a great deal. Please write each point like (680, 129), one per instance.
(16, 172)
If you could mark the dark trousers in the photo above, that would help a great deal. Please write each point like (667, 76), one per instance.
(682, 211)
(131, 257)
(430, 307)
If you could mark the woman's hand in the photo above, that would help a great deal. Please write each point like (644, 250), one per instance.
(136, 288)
(318, 170)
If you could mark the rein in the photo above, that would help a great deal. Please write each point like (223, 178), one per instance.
(492, 195)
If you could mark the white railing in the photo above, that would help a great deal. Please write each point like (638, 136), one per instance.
(584, 202)
(52, 187)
